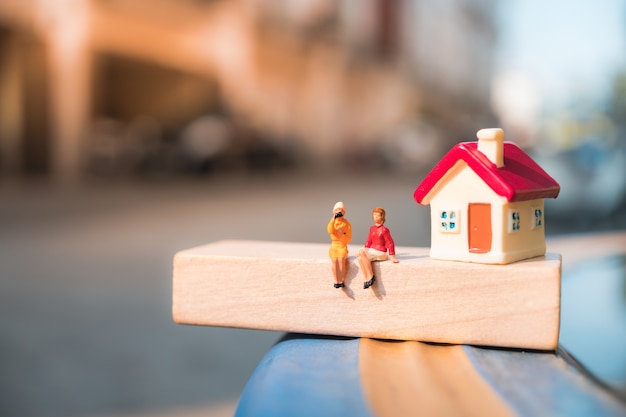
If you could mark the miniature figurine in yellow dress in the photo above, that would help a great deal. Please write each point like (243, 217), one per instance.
(340, 231)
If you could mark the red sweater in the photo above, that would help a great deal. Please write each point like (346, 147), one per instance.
(380, 239)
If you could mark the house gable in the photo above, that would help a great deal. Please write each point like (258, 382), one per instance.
(449, 207)
(462, 185)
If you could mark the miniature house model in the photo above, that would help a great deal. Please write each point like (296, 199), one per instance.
(487, 202)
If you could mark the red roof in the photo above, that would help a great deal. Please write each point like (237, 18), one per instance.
(520, 178)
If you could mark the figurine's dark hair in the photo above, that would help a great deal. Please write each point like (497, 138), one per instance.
(380, 211)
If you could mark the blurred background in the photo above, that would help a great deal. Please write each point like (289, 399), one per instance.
(133, 129)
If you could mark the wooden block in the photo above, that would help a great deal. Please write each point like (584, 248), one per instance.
(289, 287)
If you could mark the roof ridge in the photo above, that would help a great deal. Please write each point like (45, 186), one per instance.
(520, 179)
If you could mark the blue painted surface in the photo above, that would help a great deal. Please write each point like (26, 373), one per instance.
(540, 384)
(306, 376)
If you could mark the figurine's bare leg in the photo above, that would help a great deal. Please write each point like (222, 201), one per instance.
(338, 269)
(335, 268)
(366, 266)
(342, 268)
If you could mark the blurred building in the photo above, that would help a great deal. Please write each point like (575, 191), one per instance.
(115, 85)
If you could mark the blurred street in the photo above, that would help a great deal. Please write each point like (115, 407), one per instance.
(85, 306)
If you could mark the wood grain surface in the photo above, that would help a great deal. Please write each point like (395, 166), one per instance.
(288, 287)
(412, 378)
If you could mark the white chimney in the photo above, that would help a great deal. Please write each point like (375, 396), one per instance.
(491, 144)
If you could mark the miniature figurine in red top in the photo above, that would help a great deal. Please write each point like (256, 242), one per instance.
(378, 247)
(340, 231)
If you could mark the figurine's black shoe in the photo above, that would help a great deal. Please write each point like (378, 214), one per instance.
(369, 283)
(340, 285)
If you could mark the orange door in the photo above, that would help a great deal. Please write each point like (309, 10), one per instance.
(479, 220)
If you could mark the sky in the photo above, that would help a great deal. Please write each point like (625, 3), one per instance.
(564, 48)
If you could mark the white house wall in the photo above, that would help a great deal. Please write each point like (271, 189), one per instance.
(528, 241)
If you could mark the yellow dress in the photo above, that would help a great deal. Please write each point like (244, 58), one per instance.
(339, 239)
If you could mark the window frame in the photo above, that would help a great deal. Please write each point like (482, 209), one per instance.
(513, 225)
(533, 218)
(452, 213)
